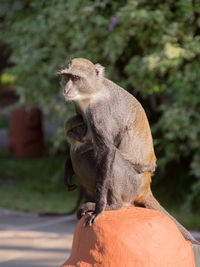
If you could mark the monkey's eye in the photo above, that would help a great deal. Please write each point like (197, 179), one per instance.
(64, 80)
(75, 78)
(66, 77)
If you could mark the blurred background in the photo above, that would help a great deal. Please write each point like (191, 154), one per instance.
(150, 48)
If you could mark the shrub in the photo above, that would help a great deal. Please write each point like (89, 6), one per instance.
(152, 47)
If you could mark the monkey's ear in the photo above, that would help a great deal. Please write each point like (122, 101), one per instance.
(99, 70)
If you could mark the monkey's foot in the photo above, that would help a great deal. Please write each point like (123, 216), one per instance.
(85, 208)
(80, 214)
(90, 219)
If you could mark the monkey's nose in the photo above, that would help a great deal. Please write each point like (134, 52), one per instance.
(64, 91)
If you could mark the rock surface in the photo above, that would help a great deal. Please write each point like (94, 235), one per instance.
(130, 237)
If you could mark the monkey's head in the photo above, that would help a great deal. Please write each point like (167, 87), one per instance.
(81, 79)
(75, 130)
(76, 135)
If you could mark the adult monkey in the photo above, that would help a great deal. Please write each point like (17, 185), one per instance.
(116, 123)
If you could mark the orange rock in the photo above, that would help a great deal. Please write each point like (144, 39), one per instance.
(130, 237)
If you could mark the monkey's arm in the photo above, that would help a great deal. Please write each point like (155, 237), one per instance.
(68, 173)
(104, 156)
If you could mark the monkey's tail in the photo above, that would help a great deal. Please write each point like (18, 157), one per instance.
(151, 203)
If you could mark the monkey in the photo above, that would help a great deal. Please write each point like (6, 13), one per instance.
(118, 129)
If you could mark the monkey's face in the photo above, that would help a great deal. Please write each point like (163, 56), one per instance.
(75, 87)
(81, 79)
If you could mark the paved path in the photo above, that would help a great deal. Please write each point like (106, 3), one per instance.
(28, 240)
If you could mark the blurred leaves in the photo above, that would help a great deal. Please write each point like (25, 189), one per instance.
(7, 79)
(154, 48)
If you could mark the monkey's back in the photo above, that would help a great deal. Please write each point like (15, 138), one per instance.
(136, 140)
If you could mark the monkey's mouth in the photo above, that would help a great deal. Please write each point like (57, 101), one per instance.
(70, 96)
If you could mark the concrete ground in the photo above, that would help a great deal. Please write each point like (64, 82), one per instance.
(28, 240)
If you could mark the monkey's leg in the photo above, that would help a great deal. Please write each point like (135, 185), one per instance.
(107, 198)
(68, 173)
(100, 200)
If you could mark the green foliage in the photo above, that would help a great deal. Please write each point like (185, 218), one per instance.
(4, 123)
(49, 171)
(34, 184)
(194, 199)
(7, 79)
(154, 48)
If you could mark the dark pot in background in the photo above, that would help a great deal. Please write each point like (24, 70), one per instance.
(26, 135)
